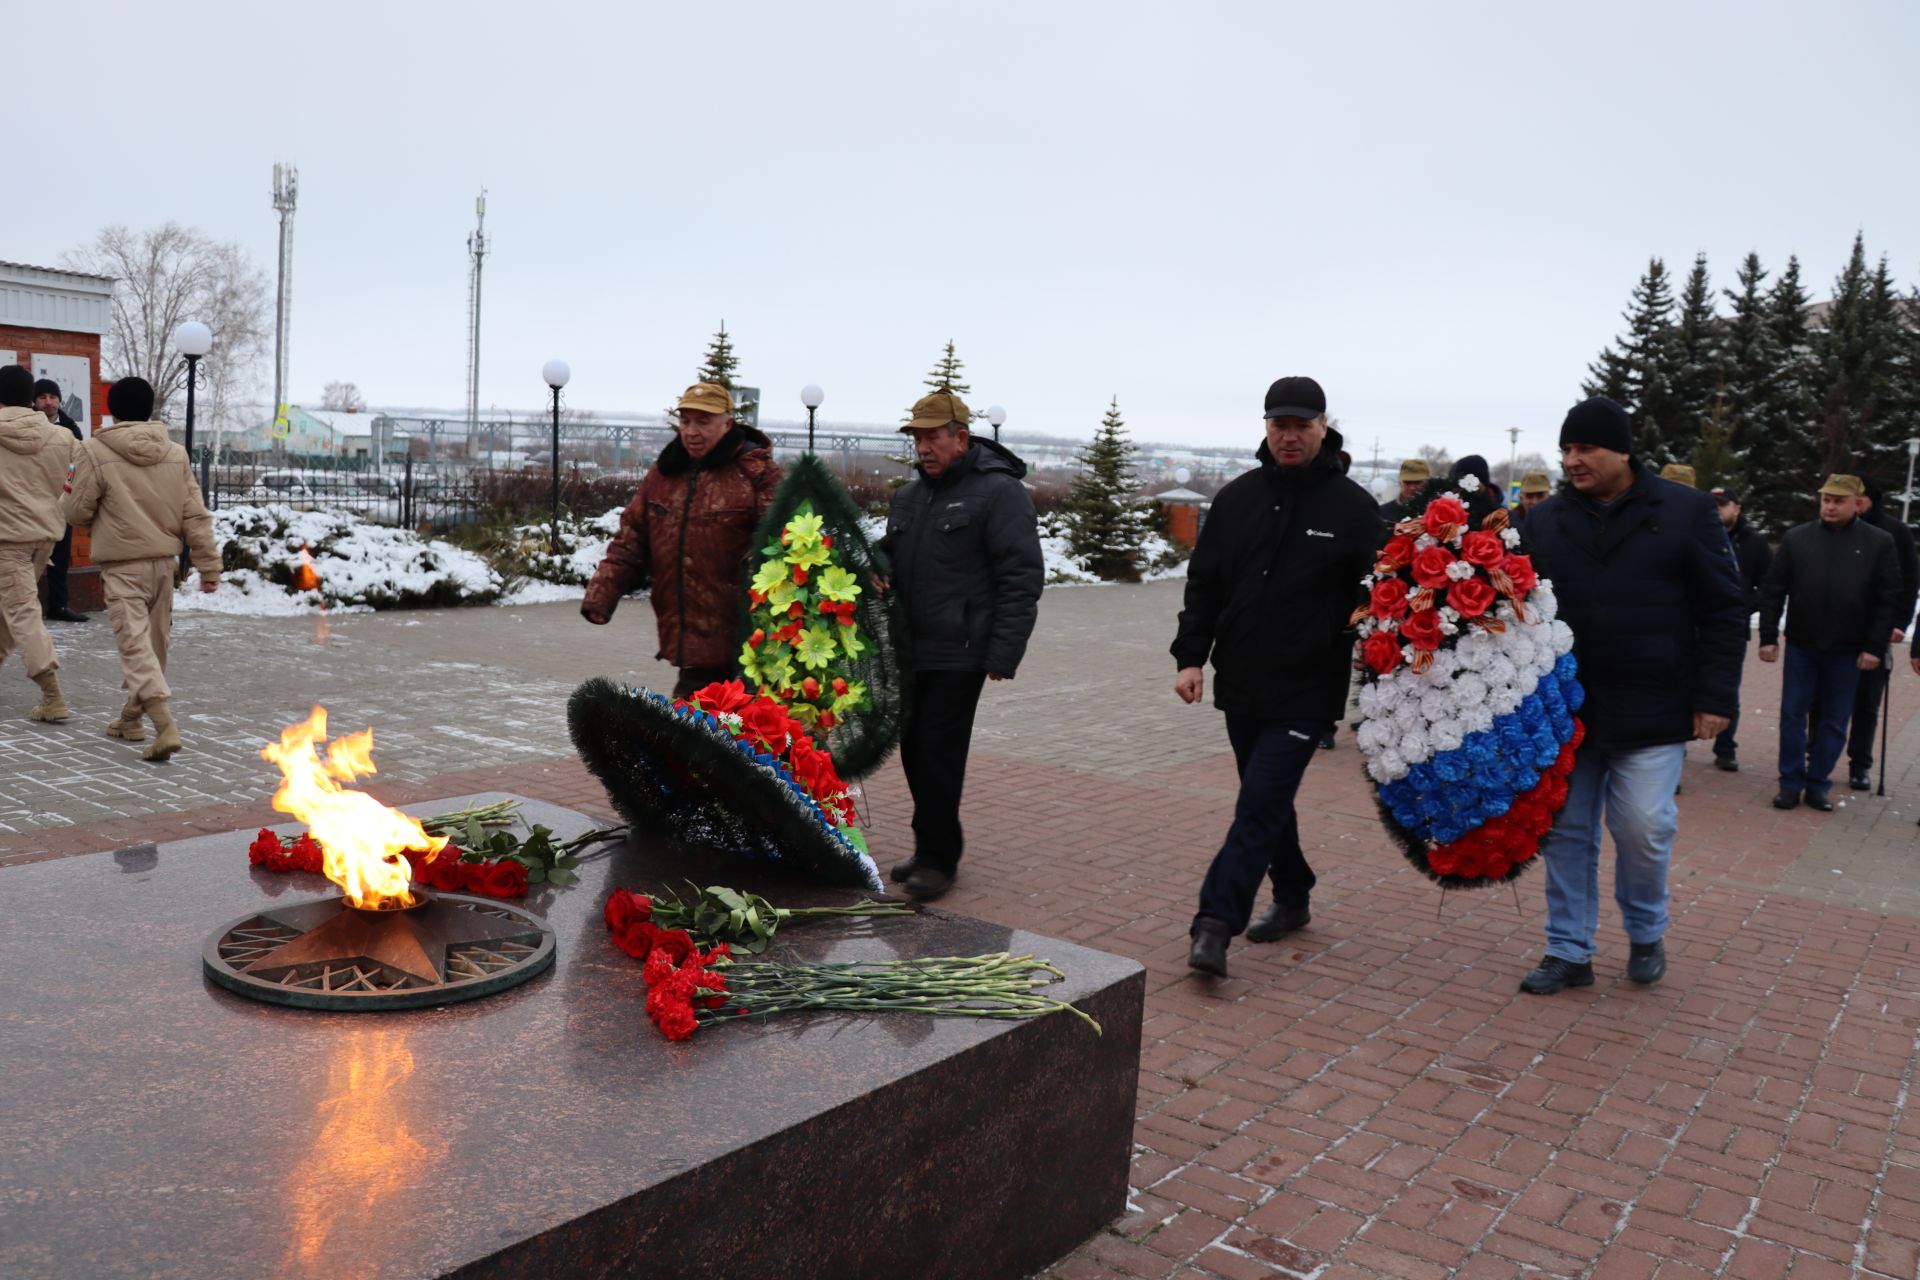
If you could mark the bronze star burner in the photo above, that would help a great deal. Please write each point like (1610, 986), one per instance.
(325, 954)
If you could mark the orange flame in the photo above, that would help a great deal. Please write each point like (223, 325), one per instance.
(307, 578)
(362, 839)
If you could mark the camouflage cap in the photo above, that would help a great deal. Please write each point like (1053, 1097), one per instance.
(941, 409)
(1416, 469)
(707, 397)
(1680, 473)
(1536, 482)
(1844, 486)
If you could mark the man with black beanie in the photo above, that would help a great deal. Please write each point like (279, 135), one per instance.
(34, 456)
(1646, 580)
(133, 487)
(1270, 590)
(46, 398)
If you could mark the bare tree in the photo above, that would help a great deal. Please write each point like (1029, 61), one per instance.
(344, 396)
(1437, 458)
(1521, 465)
(168, 275)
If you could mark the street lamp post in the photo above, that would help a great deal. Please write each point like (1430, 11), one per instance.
(1906, 501)
(192, 340)
(1513, 460)
(996, 415)
(556, 373)
(811, 396)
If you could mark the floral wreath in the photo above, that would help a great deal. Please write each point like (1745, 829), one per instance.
(804, 628)
(1469, 690)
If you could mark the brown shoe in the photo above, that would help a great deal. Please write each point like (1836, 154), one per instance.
(166, 734)
(128, 727)
(52, 707)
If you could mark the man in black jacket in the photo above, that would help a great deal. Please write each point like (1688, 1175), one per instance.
(1843, 579)
(966, 559)
(1873, 684)
(1645, 579)
(1270, 590)
(46, 398)
(1752, 554)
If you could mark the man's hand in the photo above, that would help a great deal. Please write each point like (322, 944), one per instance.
(1708, 726)
(209, 585)
(1769, 653)
(1899, 634)
(881, 585)
(1190, 684)
(594, 616)
(1916, 664)
(1868, 662)
(995, 675)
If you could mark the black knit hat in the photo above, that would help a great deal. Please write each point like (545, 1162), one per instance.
(1600, 422)
(46, 387)
(130, 400)
(1472, 465)
(16, 386)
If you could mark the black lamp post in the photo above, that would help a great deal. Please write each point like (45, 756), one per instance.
(996, 415)
(192, 340)
(556, 373)
(811, 396)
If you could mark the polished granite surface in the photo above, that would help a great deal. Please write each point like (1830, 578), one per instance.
(154, 1124)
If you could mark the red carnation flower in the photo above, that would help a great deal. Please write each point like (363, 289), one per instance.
(1430, 567)
(1389, 598)
(1421, 630)
(1471, 598)
(1381, 651)
(1483, 549)
(264, 845)
(1443, 516)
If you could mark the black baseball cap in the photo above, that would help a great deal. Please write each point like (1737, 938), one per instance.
(1725, 495)
(1295, 397)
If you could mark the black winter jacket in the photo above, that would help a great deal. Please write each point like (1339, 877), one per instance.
(967, 563)
(1648, 584)
(1843, 584)
(1273, 583)
(1904, 555)
(1752, 554)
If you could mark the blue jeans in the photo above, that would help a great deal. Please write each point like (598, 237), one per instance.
(1635, 790)
(1264, 839)
(1813, 677)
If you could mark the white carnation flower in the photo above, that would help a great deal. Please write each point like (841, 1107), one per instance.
(1562, 638)
(1424, 541)
(1407, 714)
(1478, 717)
(1504, 700)
(1470, 483)
(1447, 737)
(1501, 672)
(1459, 571)
(1393, 763)
(1510, 536)
(1469, 688)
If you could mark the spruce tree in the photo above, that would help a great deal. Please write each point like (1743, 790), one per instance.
(1693, 362)
(1859, 362)
(1714, 460)
(1750, 359)
(721, 363)
(946, 373)
(1782, 443)
(1106, 526)
(1635, 371)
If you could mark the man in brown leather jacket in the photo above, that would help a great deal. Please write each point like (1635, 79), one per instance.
(686, 531)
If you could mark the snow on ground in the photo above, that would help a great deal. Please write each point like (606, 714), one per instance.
(364, 566)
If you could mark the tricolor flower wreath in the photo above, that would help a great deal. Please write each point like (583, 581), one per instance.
(804, 629)
(1468, 724)
(723, 769)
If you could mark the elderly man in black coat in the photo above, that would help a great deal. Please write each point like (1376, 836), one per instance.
(1646, 579)
(965, 546)
(1270, 589)
(1873, 684)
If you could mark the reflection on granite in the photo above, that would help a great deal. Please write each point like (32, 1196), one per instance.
(156, 1125)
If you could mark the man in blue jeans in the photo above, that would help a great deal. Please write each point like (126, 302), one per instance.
(1646, 579)
(1839, 579)
(1270, 588)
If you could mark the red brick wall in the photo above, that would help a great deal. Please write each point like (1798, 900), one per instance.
(26, 343)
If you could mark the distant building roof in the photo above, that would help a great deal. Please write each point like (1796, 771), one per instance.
(50, 298)
(1181, 495)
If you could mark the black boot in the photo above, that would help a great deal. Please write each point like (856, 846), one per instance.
(1728, 763)
(1818, 801)
(1209, 954)
(1860, 780)
(1646, 962)
(901, 870)
(1787, 799)
(1279, 921)
(1554, 974)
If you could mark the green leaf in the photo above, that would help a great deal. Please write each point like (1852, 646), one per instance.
(566, 862)
(560, 876)
(536, 874)
(731, 900)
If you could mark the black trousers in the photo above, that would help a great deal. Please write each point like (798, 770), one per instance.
(57, 572)
(933, 752)
(1866, 717)
(1264, 840)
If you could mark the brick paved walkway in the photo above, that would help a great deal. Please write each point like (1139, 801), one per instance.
(1370, 1098)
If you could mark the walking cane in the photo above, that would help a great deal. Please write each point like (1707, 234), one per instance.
(1886, 717)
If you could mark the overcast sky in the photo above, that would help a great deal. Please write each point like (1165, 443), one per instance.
(1437, 210)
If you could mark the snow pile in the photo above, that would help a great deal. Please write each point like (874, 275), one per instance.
(1159, 558)
(535, 575)
(359, 566)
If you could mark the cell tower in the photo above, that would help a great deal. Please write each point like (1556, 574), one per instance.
(286, 189)
(477, 251)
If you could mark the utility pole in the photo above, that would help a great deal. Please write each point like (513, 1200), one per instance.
(286, 190)
(477, 251)
(1513, 460)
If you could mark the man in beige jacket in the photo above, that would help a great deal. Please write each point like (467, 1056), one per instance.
(134, 488)
(34, 456)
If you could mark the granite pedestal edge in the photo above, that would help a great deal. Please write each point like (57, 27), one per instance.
(157, 1125)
